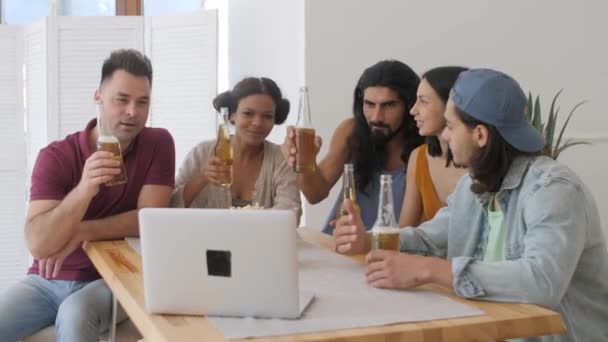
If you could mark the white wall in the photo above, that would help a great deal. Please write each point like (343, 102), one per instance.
(266, 39)
(546, 45)
(591, 164)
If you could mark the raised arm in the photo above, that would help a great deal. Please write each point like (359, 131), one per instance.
(316, 185)
(50, 224)
(199, 169)
(158, 180)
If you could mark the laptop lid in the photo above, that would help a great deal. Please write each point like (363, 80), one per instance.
(220, 262)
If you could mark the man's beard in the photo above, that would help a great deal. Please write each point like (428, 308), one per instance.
(380, 139)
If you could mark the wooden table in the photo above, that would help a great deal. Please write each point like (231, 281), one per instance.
(121, 267)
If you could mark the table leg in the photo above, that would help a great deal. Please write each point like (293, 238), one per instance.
(112, 334)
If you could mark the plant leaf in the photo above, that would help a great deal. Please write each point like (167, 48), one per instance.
(552, 120)
(529, 108)
(567, 145)
(536, 121)
(561, 132)
(551, 135)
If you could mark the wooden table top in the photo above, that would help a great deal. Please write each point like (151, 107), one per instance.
(121, 267)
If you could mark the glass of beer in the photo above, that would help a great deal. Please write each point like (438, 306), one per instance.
(385, 232)
(304, 136)
(109, 143)
(305, 145)
(385, 238)
(223, 148)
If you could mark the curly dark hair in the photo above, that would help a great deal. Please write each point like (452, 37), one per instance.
(402, 79)
(253, 86)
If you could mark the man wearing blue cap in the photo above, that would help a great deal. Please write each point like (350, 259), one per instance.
(520, 227)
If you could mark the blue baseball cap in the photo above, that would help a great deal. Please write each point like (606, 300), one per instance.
(497, 99)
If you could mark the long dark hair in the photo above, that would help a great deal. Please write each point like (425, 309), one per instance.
(401, 79)
(253, 86)
(441, 79)
(491, 164)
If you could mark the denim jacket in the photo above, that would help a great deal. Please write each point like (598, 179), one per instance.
(555, 250)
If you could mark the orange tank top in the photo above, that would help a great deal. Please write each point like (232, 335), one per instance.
(430, 201)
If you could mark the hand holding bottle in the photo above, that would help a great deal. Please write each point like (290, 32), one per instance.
(350, 236)
(304, 138)
(349, 191)
(289, 147)
(223, 152)
(217, 171)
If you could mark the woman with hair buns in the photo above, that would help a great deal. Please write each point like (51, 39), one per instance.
(261, 175)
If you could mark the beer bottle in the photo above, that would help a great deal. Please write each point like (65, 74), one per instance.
(106, 141)
(223, 148)
(385, 232)
(348, 190)
(305, 136)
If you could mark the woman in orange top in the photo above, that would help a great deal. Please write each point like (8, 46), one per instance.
(431, 174)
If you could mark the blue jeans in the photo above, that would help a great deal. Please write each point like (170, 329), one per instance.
(81, 311)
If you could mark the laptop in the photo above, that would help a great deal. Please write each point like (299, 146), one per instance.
(221, 262)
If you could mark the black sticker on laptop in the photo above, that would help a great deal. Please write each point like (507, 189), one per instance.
(219, 263)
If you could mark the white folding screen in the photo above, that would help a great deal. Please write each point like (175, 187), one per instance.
(183, 50)
(80, 47)
(36, 114)
(13, 255)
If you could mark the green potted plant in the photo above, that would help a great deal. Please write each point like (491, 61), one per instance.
(555, 142)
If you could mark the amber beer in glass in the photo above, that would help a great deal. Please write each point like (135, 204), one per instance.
(305, 145)
(304, 136)
(385, 232)
(109, 143)
(387, 239)
(223, 148)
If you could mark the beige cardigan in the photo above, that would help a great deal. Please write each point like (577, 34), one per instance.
(276, 186)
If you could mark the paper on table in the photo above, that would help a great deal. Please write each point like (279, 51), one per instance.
(343, 300)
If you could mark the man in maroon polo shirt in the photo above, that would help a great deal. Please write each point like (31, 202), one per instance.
(70, 203)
